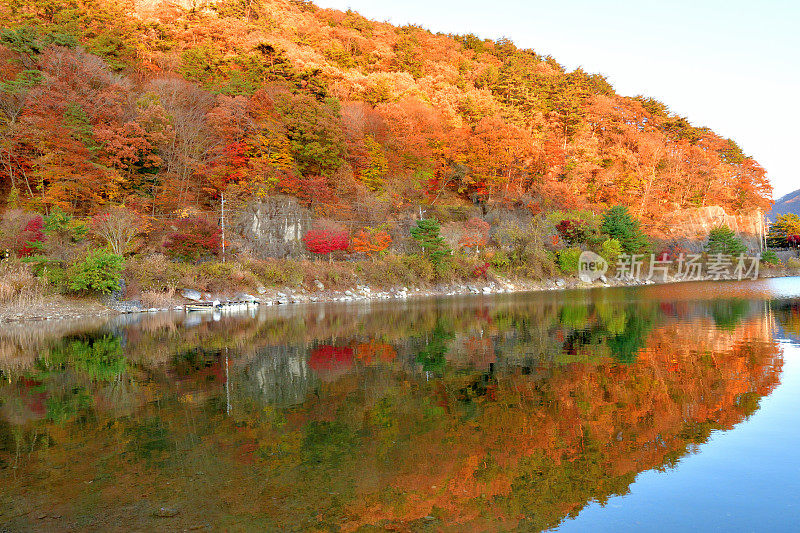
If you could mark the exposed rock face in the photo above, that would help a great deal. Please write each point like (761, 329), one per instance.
(696, 223)
(274, 226)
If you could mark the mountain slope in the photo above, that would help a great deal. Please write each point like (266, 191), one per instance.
(165, 108)
(789, 203)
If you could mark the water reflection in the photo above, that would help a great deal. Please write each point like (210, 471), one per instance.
(498, 413)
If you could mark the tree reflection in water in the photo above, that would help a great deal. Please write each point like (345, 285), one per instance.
(479, 413)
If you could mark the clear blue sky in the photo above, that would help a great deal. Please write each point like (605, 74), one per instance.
(730, 65)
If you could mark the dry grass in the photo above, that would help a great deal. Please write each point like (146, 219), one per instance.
(158, 299)
(18, 284)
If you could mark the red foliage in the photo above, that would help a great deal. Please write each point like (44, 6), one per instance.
(194, 238)
(325, 241)
(32, 233)
(327, 358)
(572, 231)
(480, 270)
(476, 232)
(793, 240)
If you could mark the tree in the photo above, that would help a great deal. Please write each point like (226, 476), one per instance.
(371, 241)
(784, 227)
(377, 167)
(326, 239)
(427, 235)
(32, 236)
(118, 227)
(619, 224)
(193, 239)
(723, 240)
(476, 233)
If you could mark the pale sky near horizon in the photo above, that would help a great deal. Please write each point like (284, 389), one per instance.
(729, 65)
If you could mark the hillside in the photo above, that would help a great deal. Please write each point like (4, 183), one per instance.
(789, 203)
(164, 108)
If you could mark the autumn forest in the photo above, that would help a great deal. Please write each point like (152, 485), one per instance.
(144, 115)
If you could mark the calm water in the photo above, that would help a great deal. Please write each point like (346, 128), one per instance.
(657, 408)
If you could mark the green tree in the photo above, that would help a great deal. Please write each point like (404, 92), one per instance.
(100, 271)
(428, 236)
(620, 225)
(723, 240)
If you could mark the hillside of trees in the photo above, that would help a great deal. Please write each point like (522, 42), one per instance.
(125, 123)
(165, 108)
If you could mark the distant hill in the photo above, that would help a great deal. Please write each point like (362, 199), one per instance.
(786, 204)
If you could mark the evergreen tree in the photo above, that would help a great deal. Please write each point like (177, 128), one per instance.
(620, 225)
(427, 235)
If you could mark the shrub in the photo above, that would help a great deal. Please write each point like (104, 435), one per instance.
(63, 232)
(573, 231)
(610, 250)
(568, 260)
(476, 233)
(12, 230)
(723, 240)
(195, 238)
(619, 224)
(99, 271)
(420, 268)
(371, 241)
(155, 273)
(770, 257)
(277, 272)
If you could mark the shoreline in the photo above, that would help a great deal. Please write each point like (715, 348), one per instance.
(59, 308)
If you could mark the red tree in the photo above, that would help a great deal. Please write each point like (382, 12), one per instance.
(324, 241)
(31, 235)
(193, 239)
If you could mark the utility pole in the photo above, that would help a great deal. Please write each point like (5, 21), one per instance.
(223, 226)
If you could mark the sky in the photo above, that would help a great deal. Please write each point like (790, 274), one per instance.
(730, 65)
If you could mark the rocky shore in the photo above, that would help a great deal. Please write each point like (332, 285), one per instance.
(56, 308)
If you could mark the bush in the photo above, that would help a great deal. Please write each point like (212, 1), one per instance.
(770, 257)
(33, 237)
(420, 268)
(195, 238)
(619, 224)
(610, 250)
(723, 240)
(573, 231)
(568, 260)
(99, 271)
(326, 239)
(156, 273)
(278, 272)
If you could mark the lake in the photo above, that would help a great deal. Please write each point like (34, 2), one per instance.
(657, 408)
